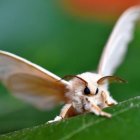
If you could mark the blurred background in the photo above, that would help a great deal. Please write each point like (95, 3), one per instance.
(65, 37)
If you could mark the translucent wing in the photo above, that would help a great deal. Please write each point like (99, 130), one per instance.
(116, 46)
(30, 82)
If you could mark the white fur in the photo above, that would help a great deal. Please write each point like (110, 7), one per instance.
(79, 99)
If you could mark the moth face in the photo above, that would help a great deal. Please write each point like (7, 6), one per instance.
(81, 90)
(87, 93)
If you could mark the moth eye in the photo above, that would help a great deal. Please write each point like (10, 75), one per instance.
(87, 91)
(97, 90)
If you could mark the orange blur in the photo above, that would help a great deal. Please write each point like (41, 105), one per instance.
(98, 8)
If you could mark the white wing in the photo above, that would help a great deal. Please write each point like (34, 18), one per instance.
(117, 44)
(30, 82)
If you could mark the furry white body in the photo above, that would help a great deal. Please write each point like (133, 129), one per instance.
(83, 103)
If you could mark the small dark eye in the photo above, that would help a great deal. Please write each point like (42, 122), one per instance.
(97, 90)
(87, 91)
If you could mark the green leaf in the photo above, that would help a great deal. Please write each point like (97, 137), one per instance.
(124, 124)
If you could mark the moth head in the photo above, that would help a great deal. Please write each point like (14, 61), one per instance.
(90, 85)
(82, 85)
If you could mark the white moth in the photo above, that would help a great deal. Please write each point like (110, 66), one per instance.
(86, 92)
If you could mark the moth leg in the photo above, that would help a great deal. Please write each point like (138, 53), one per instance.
(57, 118)
(108, 100)
(66, 111)
(95, 109)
